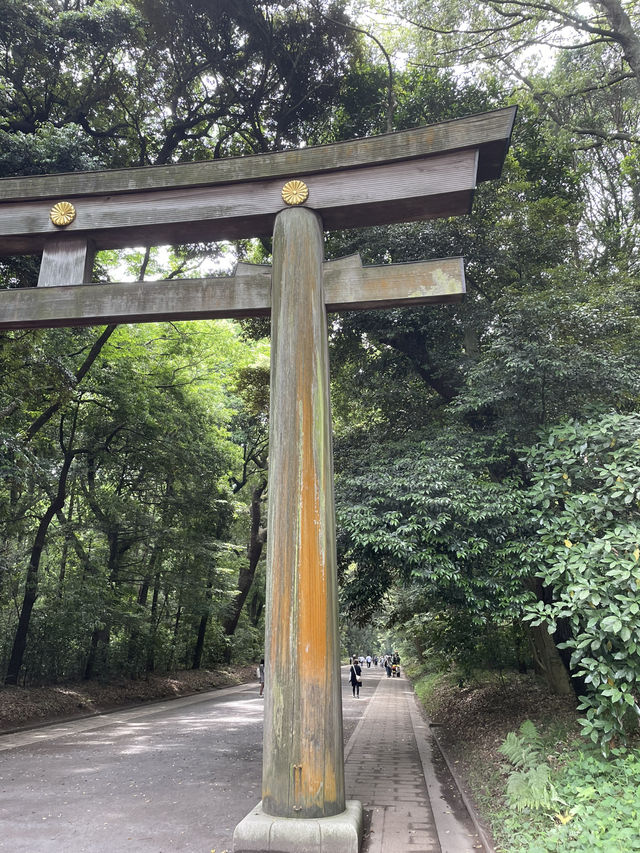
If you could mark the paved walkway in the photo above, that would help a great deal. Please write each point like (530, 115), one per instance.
(395, 769)
(177, 776)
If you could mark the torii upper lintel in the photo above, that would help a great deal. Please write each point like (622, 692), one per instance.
(409, 175)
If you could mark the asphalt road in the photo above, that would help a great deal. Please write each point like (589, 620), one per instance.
(175, 776)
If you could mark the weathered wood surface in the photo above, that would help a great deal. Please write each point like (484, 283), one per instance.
(66, 259)
(490, 132)
(348, 287)
(303, 762)
(352, 287)
(442, 185)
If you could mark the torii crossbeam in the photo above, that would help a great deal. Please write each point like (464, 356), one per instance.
(417, 174)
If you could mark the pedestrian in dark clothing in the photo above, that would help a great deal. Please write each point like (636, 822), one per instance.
(355, 677)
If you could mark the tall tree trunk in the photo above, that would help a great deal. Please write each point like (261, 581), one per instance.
(549, 661)
(562, 634)
(254, 605)
(545, 651)
(65, 543)
(204, 621)
(257, 538)
(176, 631)
(101, 636)
(98, 636)
(31, 581)
(136, 648)
(624, 34)
(153, 626)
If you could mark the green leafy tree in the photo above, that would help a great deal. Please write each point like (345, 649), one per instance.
(147, 506)
(540, 337)
(585, 496)
(578, 68)
(429, 518)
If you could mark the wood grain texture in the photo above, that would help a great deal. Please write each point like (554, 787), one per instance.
(303, 762)
(348, 287)
(490, 132)
(66, 260)
(352, 288)
(417, 189)
(134, 302)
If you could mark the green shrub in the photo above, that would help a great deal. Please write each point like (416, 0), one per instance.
(585, 500)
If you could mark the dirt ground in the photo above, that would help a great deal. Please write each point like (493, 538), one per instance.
(472, 721)
(28, 706)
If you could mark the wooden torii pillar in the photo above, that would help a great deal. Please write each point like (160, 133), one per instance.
(416, 174)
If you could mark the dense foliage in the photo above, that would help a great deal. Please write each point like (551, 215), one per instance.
(134, 459)
(486, 452)
(118, 505)
(586, 497)
(441, 467)
(575, 801)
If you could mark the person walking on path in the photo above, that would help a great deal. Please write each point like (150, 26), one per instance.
(261, 676)
(355, 677)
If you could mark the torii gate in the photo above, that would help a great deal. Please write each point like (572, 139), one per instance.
(423, 173)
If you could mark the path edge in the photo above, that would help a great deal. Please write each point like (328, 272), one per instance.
(419, 720)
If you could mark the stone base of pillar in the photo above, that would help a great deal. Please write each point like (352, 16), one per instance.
(260, 832)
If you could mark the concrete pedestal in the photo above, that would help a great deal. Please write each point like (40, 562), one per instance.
(263, 833)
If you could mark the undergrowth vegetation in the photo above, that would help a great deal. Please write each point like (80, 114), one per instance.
(537, 783)
(576, 800)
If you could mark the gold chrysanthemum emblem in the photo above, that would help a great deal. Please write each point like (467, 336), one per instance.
(62, 213)
(295, 192)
